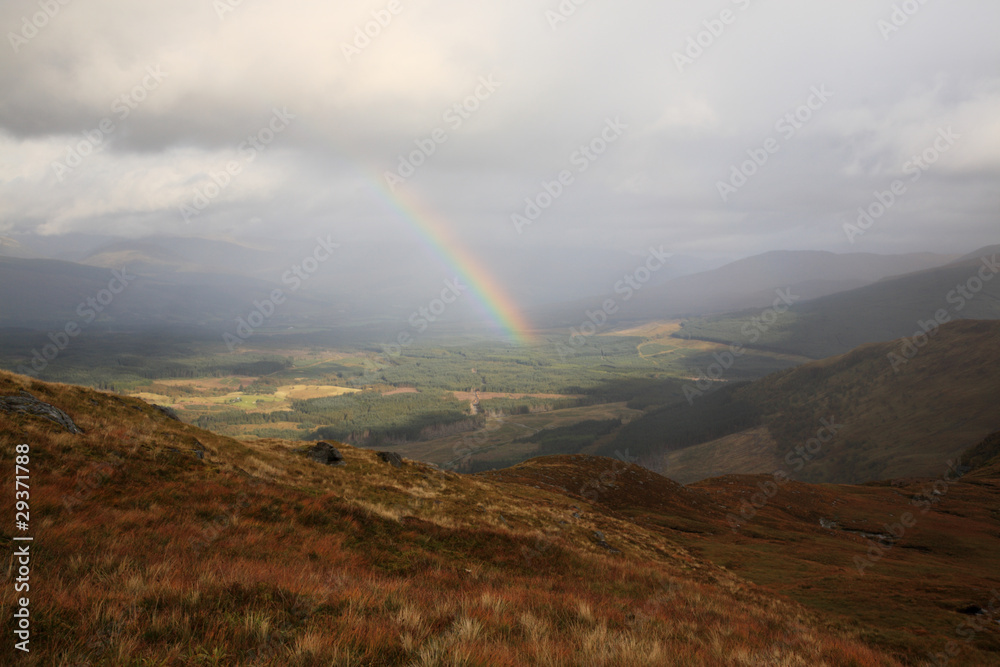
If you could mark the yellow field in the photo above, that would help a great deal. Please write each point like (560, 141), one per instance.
(303, 392)
(280, 399)
(658, 335)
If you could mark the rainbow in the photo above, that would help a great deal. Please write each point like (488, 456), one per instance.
(436, 236)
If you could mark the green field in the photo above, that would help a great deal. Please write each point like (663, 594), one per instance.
(466, 401)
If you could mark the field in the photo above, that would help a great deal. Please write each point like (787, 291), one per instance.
(444, 395)
(207, 395)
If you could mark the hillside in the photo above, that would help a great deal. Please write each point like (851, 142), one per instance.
(158, 255)
(889, 309)
(46, 294)
(751, 282)
(888, 424)
(155, 541)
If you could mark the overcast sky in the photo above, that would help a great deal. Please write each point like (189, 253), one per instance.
(198, 77)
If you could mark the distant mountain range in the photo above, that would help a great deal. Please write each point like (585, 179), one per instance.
(360, 283)
(746, 283)
(966, 288)
(44, 294)
(198, 282)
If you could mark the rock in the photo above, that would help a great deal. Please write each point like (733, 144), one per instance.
(29, 405)
(392, 458)
(327, 454)
(601, 542)
(608, 547)
(199, 449)
(168, 412)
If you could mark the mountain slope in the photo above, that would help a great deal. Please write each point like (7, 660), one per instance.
(751, 282)
(840, 549)
(46, 294)
(889, 309)
(155, 541)
(895, 416)
(159, 255)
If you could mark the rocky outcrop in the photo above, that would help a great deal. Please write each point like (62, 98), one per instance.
(327, 454)
(167, 412)
(392, 458)
(29, 405)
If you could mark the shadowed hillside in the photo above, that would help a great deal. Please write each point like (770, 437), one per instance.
(897, 409)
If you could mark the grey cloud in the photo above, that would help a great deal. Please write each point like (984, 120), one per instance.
(354, 119)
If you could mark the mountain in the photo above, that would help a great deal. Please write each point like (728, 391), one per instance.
(49, 294)
(398, 274)
(160, 255)
(70, 247)
(752, 282)
(897, 409)
(157, 542)
(13, 248)
(889, 309)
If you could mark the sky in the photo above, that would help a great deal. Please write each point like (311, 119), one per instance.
(625, 124)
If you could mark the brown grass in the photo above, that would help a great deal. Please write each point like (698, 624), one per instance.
(255, 555)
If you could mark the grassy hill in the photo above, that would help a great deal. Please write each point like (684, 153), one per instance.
(159, 543)
(892, 419)
(889, 309)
